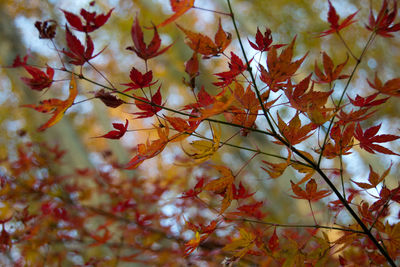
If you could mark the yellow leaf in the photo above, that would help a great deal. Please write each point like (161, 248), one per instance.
(241, 245)
(203, 150)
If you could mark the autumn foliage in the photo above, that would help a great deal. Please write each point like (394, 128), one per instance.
(210, 213)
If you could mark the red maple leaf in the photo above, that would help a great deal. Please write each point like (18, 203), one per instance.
(198, 188)
(273, 242)
(148, 107)
(368, 101)
(139, 80)
(368, 140)
(118, 133)
(354, 115)
(78, 54)
(18, 62)
(203, 100)
(240, 192)
(382, 24)
(108, 99)
(252, 210)
(263, 41)
(39, 80)
(139, 46)
(93, 21)
(333, 19)
(236, 67)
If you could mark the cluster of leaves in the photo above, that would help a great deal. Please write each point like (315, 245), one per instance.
(129, 221)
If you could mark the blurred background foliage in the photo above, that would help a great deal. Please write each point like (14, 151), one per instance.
(285, 18)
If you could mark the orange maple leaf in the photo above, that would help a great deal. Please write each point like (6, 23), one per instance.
(281, 68)
(223, 185)
(374, 179)
(149, 150)
(391, 87)
(179, 7)
(311, 193)
(331, 73)
(204, 45)
(56, 106)
(293, 132)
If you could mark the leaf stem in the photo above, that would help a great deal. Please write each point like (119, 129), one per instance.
(213, 11)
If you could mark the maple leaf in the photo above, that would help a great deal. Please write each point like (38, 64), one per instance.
(393, 240)
(204, 45)
(101, 239)
(241, 245)
(203, 229)
(203, 100)
(275, 170)
(18, 62)
(236, 67)
(92, 20)
(56, 106)
(354, 116)
(293, 132)
(252, 210)
(118, 133)
(368, 101)
(149, 108)
(331, 73)
(222, 185)
(241, 192)
(311, 193)
(78, 54)
(139, 46)
(184, 127)
(139, 80)
(198, 188)
(203, 150)
(5, 240)
(108, 99)
(221, 103)
(150, 149)
(192, 66)
(382, 25)
(374, 179)
(273, 242)
(304, 99)
(368, 139)
(308, 171)
(279, 69)
(47, 29)
(39, 80)
(333, 19)
(247, 112)
(179, 7)
(391, 87)
(263, 41)
(192, 244)
(343, 141)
